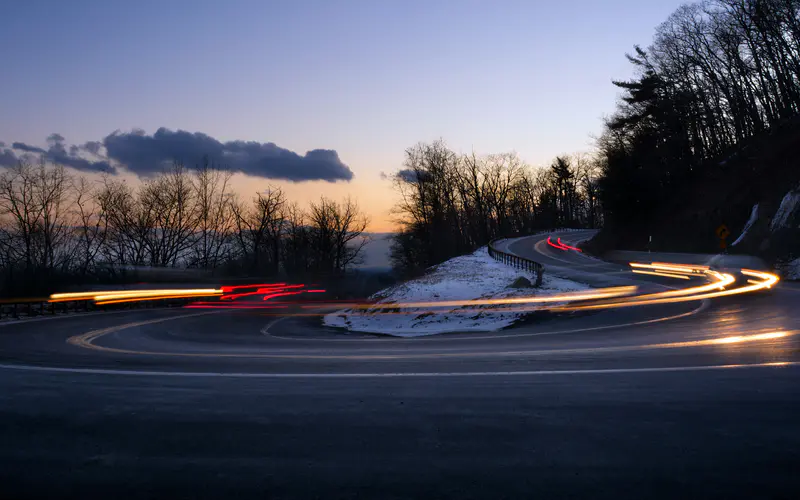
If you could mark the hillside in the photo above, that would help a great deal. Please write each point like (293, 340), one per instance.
(754, 190)
(468, 277)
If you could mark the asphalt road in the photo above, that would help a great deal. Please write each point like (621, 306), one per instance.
(204, 404)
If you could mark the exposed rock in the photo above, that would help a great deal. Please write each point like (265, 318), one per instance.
(521, 282)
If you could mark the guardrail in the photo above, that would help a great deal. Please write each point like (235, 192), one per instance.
(516, 261)
(30, 308)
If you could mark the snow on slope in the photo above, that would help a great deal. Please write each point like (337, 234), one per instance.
(467, 277)
(750, 222)
(786, 209)
(791, 270)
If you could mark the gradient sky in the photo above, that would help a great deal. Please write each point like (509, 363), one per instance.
(365, 78)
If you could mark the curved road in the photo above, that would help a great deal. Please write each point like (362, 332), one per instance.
(642, 402)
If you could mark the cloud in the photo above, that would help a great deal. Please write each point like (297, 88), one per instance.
(56, 153)
(92, 147)
(147, 154)
(28, 149)
(8, 158)
(412, 176)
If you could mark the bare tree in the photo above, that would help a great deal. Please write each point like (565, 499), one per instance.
(338, 237)
(167, 201)
(296, 241)
(215, 218)
(33, 200)
(259, 227)
(91, 224)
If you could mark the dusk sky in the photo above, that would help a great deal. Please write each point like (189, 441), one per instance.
(366, 79)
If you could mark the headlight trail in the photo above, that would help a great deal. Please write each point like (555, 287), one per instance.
(602, 293)
(657, 273)
(117, 296)
(713, 290)
(605, 298)
(227, 293)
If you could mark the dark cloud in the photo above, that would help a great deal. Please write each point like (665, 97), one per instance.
(92, 147)
(57, 153)
(8, 158)
(147, 154)
(412, 176)
(28, 149)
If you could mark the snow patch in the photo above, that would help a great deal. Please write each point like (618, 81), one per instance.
(791, 270)
(785, 211)
(473, 276)
(750, 222)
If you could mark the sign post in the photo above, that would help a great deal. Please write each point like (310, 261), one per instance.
(723, 232)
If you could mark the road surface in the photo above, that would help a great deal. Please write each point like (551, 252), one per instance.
(205, 404)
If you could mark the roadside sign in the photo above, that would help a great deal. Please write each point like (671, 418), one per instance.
(723, 231)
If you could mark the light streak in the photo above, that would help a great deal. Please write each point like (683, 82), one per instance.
(265, 289)
(673, 268)
(750, 338)
(554, 245)
(666, 275)
(713, 290)
(107, 297)
(602, 293)
(230, 288)
(568, 247)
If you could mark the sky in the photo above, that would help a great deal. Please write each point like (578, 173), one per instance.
(315, 97)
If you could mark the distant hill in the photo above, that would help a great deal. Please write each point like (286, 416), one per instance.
(376, 252)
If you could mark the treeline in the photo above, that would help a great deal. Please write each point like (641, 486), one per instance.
(58, 227)
(717, 74)
(453, 203)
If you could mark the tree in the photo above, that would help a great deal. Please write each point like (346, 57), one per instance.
(33, 204)
(215, 217)
(337, 234)
(259, 228)
(92, 225)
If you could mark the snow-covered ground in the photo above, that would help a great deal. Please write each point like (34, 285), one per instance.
(791, 270)
(474, 276)
(788, 204)
(750, 222)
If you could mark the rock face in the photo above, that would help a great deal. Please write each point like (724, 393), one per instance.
(773, 230)
(521, 282)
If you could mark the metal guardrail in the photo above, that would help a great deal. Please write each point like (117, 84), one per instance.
(31, 308)
(516, 261)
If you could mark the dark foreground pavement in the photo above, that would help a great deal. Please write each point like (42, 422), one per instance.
(707, 434)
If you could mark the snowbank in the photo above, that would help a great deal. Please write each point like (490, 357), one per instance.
(788, 204)
(474, 276)
(791, 270)
(750, 222)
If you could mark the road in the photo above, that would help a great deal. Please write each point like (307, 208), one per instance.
(202, 404)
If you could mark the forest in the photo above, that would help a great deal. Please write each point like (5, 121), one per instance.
(57, 228)
(708, 127)
(453, 203)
